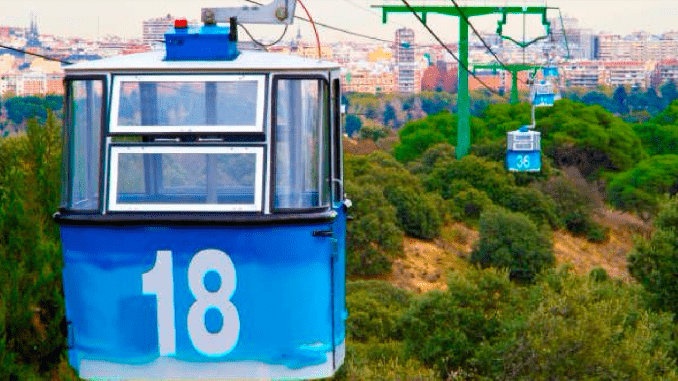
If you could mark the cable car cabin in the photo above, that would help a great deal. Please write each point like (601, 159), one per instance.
(203, 219)
(549, 71)
(543, 94)
(523, 150)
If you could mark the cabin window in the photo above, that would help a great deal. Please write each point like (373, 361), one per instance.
(84, 119)
(186, 104)
(302, 149)
(338, 174)
(173, 178)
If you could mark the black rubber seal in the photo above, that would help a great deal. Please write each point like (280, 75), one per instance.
(192, 219)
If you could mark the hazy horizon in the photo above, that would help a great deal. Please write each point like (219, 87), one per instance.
(98, 18)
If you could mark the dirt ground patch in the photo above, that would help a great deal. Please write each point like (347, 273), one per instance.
(426, 264)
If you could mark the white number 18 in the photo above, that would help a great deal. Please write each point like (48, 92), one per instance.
(159, 281)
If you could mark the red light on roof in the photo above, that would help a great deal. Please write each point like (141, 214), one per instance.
(180, 23)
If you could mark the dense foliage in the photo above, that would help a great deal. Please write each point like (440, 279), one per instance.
(639, 188)
(562, 327)
(417, 136)
(20, 109)
(654, 263)
(512, 241)
(32, 326)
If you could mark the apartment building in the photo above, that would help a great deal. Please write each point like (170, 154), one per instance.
(364, 79)
(406, 70)
(154, 29)
(640, 46)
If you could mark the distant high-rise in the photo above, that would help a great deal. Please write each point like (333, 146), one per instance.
(154, 29)
(405, 64)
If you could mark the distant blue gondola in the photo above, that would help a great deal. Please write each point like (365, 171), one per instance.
(549, 71)
(543, 94)
(523, 153)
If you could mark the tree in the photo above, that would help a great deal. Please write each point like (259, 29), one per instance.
(653, 262)
(669, 92)
(638, 189)
(418, 213)
(373, 237)
(620, 99)
(669, 116)
(587, 137)
(511, 241)
(390, 116)
(417, 136)
(654, 103)
(353, 124)
(658, 139)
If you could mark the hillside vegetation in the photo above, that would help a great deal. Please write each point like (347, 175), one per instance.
(524, 308)
(508, 311)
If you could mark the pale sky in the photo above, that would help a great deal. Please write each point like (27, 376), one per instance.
(92, 18)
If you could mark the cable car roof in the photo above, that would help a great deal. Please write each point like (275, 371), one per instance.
(246, 61)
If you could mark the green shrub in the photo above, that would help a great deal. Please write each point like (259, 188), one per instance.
(468, 204)
(373, 237)
(638, 189)
(588, 137)
(32, 341)
(379, 361)
(374, 308)
(417, 213)
(446, 330)
(532, 203)
(598, 274)
(576, 200)
(653, 262)
(480, 173)
(417, 136)
(597, 233)
(512, 241)
(586, 329)
(438, 153)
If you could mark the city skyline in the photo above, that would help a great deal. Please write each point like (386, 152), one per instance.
(98, 18)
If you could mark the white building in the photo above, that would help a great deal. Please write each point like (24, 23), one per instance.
(154, 29)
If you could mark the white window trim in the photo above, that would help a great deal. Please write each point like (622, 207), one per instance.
(115, 104)
(116, 151)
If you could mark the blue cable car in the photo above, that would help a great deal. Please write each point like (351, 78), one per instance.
(523, 153)
(549, 71)
(543, 94)
(202, 217)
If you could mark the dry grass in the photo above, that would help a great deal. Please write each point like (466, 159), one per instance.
(425, 265)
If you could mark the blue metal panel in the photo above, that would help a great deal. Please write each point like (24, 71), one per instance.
(284, 279)
(206, 43)
(523, 161)
(550, 71)
(544, 100)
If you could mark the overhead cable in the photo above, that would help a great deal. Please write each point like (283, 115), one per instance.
(450, 51)
(475, 31)
(264, 46)
(35, 54)
(345, 31)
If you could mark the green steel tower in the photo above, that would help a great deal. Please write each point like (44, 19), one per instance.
(465, 12)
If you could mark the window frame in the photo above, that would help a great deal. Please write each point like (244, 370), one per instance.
(258, 127)
(325, 139)
(68, 125)
(118, 148)
(337, 143)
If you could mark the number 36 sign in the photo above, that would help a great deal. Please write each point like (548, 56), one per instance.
(523, 161)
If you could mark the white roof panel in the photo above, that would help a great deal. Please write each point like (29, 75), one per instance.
(246, 61)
